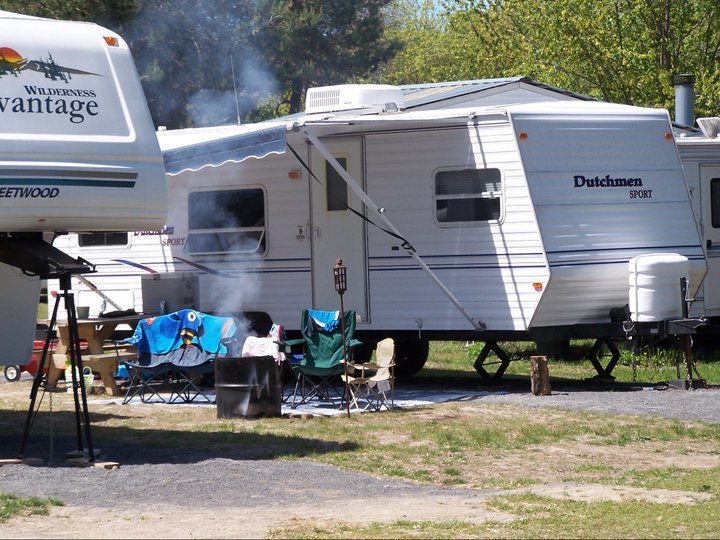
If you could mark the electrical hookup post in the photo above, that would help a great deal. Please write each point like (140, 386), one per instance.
(340, 279)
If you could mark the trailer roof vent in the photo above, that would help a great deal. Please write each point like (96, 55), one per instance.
(709, 126)
(345, 97)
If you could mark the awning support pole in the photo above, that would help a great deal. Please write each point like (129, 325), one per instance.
(357, 189)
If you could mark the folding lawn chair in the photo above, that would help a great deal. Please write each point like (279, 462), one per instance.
(193, 364)
(322, 358)
(370, 382)
(382, 382)
(174, 349)
(145, 380)
(356, 378)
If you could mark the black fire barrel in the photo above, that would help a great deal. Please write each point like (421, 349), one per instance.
(247, 387)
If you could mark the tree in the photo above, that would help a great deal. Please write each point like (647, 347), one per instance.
(320, 42)
(209, 63)
(185, 52)
(618, 50)
(100, 11)
(426, 43)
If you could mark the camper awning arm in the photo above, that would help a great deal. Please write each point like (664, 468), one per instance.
(357, 189)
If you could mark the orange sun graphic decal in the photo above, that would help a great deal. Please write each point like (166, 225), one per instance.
(10, 55)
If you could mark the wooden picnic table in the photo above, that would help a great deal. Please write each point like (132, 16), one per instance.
(95, 332)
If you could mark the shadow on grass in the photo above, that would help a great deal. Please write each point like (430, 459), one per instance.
(133, 445)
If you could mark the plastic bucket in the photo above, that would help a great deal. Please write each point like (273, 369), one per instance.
(87, 378)
(247, 387)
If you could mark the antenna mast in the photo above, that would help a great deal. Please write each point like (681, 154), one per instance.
(237, 105)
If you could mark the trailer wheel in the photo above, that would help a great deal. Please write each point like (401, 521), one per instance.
(410, 356)
(12, 373)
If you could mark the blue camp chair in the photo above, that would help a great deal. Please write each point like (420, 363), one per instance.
(172, 350)
(318, 355)
(146, 381)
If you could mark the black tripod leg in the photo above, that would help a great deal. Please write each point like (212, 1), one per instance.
(72, 356)
(82, 415)
(39, 379)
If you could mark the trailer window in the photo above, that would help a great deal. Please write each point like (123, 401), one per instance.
(468, 195)
(337, 190)
(715, 202)
(97, 239)
(227, 221)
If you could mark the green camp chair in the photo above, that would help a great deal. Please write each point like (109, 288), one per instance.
(320, 361)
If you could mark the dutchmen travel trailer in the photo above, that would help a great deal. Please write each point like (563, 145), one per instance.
(79, 153)
(482, 223)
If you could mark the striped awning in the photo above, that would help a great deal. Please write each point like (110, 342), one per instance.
(194, 155)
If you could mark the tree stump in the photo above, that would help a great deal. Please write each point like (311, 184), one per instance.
(539, 376)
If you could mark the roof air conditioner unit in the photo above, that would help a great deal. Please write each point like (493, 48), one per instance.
(354, 96)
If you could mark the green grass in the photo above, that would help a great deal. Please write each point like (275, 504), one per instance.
(701, 480)
(544, 517)
(538, 517)
(12, 505)
(455, 359)
(397, 529)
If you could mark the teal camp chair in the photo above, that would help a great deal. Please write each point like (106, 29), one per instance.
(321, 360)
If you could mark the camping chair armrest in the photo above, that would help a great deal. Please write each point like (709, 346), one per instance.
(351, 366)
(368, 366)
(287, 344)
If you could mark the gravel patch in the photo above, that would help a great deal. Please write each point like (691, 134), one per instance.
(701, 405)
(210, 483)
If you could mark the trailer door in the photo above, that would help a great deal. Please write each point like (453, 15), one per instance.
(710, 197)
(337, 233)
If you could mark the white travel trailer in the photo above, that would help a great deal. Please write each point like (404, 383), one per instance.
(700, 155)
(79, 153)
(480, 223)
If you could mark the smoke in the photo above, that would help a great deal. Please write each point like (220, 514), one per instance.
(208, 107)
(196, 62)
(198, 69)
(257, 79)
(231, 296)
(252, 85)
(230, 225)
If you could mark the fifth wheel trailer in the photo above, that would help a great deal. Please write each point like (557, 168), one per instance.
(507, 222)
(78, 152)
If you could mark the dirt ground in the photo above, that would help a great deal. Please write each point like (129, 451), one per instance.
(165, 521)
(232, 494)
(180, 521)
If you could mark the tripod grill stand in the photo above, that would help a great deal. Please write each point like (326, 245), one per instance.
(82, 416)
